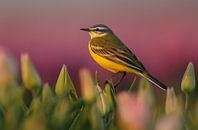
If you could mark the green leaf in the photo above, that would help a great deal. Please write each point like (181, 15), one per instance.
(89, 118)
(65, 113)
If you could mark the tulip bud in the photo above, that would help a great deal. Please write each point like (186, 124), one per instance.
(7, 69)
(101, 101)
(188, 80)
(133, 114)
(105, 99)
(64, 85)
(30, 76)
(145, 92)
(171, 101)
(170, 122)
(109, 96)
(88, 88)
(47, 94)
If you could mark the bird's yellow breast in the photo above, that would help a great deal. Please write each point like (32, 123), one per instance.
(109, 65)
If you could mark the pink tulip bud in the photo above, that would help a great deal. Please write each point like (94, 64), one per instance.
(133, 114)
(171, 101)
(7, 69)
(88, 88)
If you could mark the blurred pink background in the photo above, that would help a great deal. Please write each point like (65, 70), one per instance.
(163, 34)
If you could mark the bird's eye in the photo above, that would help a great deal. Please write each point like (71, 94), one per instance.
(97, 29)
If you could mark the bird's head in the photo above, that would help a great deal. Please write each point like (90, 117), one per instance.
(98, 30)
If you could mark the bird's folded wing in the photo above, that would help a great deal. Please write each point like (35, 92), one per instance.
(123, 57)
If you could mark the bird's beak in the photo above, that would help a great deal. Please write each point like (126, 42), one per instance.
(85, 29)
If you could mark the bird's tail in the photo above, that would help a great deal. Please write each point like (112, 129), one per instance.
(154, 81)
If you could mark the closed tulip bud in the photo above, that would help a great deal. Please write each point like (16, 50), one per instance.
(109, 96)
(30, 76)
(88, 88)
(133, 114)
(47, 94)
(171, 101)
(145, 92)
(7, 69)
(188, 80)
(101, 101)
(170, 122)
(64, 85)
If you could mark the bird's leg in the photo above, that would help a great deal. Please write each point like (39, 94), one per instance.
(122, 77)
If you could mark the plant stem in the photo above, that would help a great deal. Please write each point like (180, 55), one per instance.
(186, 101)
(132, 85)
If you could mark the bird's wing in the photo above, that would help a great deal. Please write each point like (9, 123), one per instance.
(116, 53)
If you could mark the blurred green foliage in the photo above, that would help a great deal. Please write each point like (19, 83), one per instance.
(98, 107)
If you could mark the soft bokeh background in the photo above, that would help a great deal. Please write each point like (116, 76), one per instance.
(163, 34)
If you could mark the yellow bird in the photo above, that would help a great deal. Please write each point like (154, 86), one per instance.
(111, 53)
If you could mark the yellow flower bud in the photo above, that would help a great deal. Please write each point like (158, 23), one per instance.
(188, 80)
(30, 76)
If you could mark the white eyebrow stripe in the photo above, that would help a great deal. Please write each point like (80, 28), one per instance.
(102, 28)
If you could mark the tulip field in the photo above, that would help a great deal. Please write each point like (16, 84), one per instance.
(26, 103)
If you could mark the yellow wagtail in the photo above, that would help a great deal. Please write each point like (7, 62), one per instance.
(111, 53)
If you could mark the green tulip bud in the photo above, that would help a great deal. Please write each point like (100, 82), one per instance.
(188, 80)
(47, 94)
(145, 92)
(101, 101)
(109, 96)
(64, 85)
